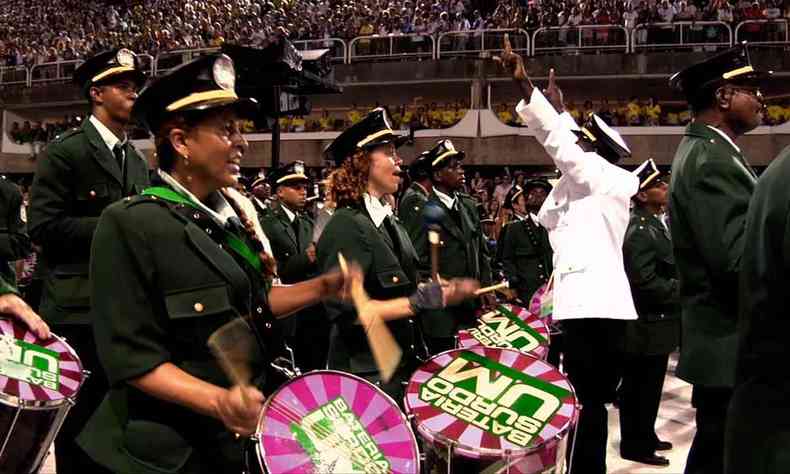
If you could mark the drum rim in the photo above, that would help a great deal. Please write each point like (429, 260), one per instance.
(258, 436)
(481, 452)
(11, 400)
(531, 314)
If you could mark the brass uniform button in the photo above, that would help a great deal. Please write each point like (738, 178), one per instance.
(92, 193)
(199, 307)
(395, 279)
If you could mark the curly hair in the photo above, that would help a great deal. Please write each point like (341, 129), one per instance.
(350, 181)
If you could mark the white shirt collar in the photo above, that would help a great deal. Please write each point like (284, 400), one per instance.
(288, 213)
(106, 134)
(724, 135)
(377, 210)
(223, 210)
(446, 199)
(534, 218)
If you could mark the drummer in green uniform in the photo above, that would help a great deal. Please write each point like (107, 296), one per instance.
(709, 194)
(290, 233)
(80, 173)
(169, 268)
(463, 252)
(524, 246)
(415, 196)
(363, 229)
(758, 421)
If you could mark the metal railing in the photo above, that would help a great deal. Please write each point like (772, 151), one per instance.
(53, 71)
(763, 32)
(391, 47)
(476, 42)
(168, 60)
(10, 75)
(580, 38)
(336, 46)
(681, 34)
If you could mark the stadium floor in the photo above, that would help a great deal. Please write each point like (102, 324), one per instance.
(675, 424)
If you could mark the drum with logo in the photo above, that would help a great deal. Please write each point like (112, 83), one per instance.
(333, 422)
(542, 305)
(492, 410)
(508, 326)
(39, 382)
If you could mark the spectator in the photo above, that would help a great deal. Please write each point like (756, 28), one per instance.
(633, 112)
(606, 113)
(652, 112)
(502, 189)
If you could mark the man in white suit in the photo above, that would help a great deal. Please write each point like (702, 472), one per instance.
(586, 214)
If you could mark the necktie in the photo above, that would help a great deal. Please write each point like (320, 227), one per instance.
(117, 150)
(295, 227)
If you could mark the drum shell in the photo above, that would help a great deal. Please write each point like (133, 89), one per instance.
(27, 433)
(548, 456)
(263, 462)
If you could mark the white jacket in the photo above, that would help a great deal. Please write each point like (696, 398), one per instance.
(586, 214)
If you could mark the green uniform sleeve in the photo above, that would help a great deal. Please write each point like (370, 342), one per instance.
(640, 266)
(14, 242)
(7, 287)
(505, 251)
(51, 205)
(130, 325)
(343, 234)
(721, 199)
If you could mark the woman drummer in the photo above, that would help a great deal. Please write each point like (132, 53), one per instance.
(363, 229)
(169, 268)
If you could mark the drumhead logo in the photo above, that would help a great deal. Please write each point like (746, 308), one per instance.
(29, 363)
(494, 397)
(502, 328)
(337, 442)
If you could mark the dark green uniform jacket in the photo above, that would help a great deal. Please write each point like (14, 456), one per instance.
(410, 210)
(164, 278)
(389, 262)
(709, 195)
(462, 254)
(77, 177)
(289, 243)
(526, 256)
(14, 242)
(758, 423)
(289, 246)
(650, 266)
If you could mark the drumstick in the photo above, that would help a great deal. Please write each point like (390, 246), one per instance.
(386, 351)
(489, 289)
(234, 346)
(433, 238)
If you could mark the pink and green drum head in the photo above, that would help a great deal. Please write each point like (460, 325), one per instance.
(333, 422)
(508, 326)
(33, 370)
(542, 303)
(492, 403)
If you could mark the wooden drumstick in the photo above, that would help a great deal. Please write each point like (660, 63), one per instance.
(234, 346)
(386, 351)
(489, 289)
(433, 238)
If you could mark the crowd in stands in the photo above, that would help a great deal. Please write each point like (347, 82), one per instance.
(633, 112)
(34, 32)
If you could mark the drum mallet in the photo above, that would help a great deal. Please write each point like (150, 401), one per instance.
(433, 215)
(489, 289)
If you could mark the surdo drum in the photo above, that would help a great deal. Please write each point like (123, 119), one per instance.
(492, 410)
(39, 382)
(333, 422)
(508, 326)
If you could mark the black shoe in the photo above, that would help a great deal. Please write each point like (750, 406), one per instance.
(663, 446)
(651, 459)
